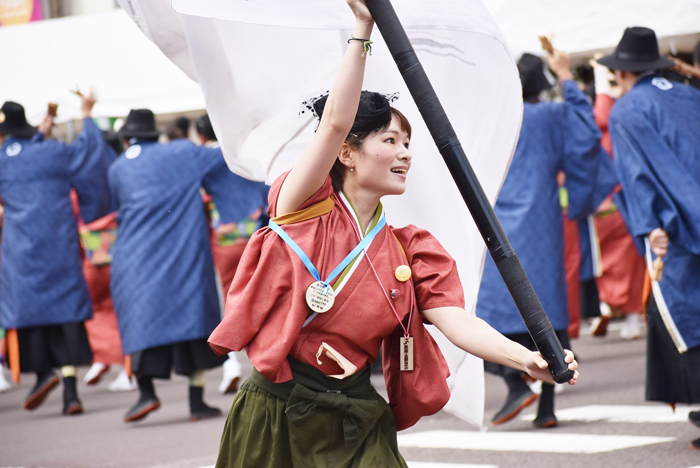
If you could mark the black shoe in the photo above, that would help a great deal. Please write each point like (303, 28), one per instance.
(141, 409)
(514, 404)
(71, 403)
(205, 412)
(694, 418)
(695, 444)
(199, 409)
(546, 421)
(72, 407)
(42, 388)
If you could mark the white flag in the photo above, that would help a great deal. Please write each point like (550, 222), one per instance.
(257, 60)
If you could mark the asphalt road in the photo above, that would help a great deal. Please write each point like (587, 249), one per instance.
(595, 416)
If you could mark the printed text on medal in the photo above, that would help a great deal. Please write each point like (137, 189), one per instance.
(320, 297)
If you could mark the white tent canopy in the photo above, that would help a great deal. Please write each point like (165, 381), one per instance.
(43, 61)
(583, 28)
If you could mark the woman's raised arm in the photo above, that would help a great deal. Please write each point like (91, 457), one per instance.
(310, 172)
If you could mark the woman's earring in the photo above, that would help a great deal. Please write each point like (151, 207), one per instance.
(352, 168)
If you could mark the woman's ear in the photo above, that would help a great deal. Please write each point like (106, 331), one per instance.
(345, 156)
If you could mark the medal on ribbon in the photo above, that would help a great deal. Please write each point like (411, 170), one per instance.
(320, 295)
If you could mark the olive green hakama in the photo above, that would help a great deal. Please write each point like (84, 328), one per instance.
(311, 421)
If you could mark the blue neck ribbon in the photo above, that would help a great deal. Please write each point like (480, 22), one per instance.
(350, 257)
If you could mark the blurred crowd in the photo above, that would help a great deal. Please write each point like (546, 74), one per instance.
(599, 204)
(117, 251)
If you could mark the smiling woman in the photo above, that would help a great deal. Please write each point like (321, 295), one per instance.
(330, 282)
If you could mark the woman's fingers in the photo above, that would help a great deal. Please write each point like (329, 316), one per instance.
(570, 360)
(574, 378)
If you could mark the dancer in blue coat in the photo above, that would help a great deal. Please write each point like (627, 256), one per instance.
(590, 266)
(655, 131)
(554, 137)
(44, 294)
(243, 212)
(163, 280)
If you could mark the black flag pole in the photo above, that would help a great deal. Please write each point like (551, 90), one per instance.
(507, 262)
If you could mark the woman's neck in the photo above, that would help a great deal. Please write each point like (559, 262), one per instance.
(365, 206)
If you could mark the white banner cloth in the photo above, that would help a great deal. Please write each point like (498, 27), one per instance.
(255, 69)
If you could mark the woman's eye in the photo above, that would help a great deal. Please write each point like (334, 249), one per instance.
(390, 141)
(406, 145)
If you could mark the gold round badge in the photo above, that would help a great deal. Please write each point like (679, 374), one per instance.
(403, 273)
(2, 116)
(320, 297)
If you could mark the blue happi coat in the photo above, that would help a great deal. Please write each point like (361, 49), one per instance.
(655, 131)
(605, 183)
(236, 197)
(553, 137)
(41, 276)
(163, 282)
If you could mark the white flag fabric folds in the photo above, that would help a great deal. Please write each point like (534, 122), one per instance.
(257, 60)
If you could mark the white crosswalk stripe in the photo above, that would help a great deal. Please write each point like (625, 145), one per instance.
(622, 414)
(525, 441)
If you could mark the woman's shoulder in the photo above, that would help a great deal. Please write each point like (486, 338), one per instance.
(413, 238)
(321, 194)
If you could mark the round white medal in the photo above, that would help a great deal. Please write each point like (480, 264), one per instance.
(320, 297)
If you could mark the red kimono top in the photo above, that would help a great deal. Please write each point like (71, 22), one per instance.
(266, 309)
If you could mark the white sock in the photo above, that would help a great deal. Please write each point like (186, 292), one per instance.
(69, 371)
(4, 384)
(198, 378)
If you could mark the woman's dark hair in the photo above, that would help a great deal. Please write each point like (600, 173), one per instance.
(356, 140)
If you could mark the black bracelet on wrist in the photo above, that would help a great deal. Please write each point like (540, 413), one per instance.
(366, 44)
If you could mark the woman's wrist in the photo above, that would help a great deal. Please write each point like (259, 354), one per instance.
(363, 29)
(524, 357)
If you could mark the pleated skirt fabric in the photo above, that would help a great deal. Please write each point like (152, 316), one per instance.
(185, 358)
(52, 346)
(312, 421)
